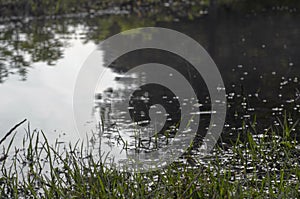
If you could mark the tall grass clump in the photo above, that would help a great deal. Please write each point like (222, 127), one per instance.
(262, 165)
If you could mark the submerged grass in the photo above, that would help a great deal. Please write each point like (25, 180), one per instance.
(262, 165)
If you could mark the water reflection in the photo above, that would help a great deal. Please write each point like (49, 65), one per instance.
(22, 44)
(258, 62)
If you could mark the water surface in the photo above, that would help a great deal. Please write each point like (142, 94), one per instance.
(257, 56)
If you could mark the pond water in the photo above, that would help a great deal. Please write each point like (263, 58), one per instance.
(257, 56)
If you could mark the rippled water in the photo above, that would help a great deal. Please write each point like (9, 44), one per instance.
(257, 56)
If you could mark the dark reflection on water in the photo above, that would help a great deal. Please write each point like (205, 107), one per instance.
(257, 56)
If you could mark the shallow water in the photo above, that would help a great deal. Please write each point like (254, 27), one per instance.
(257, 56)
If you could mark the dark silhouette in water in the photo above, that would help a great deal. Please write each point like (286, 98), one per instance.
(148, 95)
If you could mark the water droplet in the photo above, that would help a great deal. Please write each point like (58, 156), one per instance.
(283, 83)
(296, 80)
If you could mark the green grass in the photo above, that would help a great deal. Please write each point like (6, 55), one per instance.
(263, 166)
